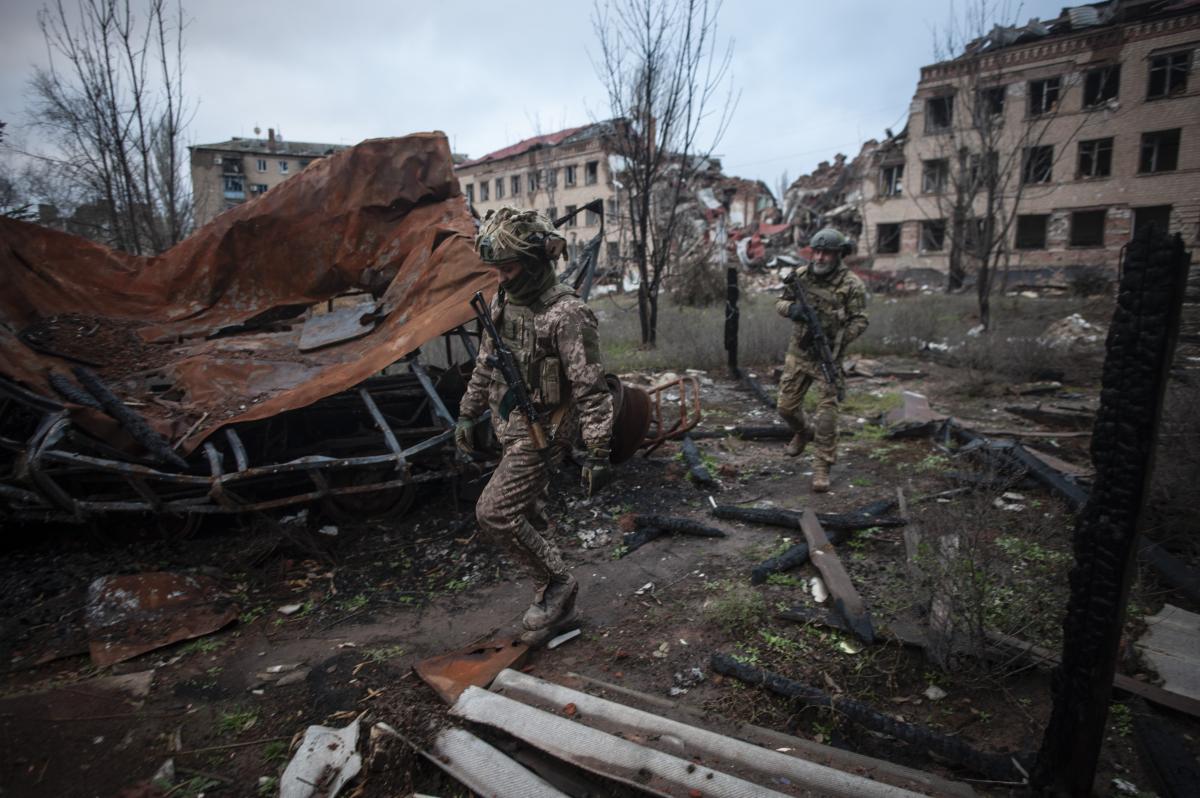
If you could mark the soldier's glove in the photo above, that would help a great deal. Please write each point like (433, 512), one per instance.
(796, 311)
(462, 435)
(597, 471)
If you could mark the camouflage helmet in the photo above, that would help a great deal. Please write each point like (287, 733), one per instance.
(510, 234)
(829, 239)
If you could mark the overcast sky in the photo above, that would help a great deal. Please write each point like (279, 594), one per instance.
(816, 78)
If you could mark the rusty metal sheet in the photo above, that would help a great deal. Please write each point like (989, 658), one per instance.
(130, 615)
(343, 324)
(449, 674)
(385, 217)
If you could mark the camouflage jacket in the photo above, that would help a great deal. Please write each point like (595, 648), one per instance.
(840, 301)
(556, 343)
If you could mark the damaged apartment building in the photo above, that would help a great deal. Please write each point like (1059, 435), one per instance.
(228, 173)
(1091, 123)
(555, 174)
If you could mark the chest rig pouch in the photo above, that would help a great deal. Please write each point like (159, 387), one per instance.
(534, 349)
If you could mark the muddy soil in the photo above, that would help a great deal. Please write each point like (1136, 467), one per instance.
(364, 604)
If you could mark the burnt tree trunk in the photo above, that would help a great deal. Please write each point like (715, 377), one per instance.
(732, 315)
(1140, 343)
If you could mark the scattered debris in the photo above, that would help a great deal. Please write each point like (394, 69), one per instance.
(451, 673)
(993, 766)
(935, 693)
(326, 761)
(130, 615)
(846, 598)
(652, 527)
(817, 587)
(1072, 332)
(289, 609)
(696, 469)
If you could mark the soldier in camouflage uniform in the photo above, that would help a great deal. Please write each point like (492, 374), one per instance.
(840, 301)
(553, 336)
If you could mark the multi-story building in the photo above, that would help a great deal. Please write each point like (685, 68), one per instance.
(1096, 114)
(229, 173)
(555, 174)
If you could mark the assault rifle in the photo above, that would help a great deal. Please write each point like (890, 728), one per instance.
(829, 369)
(504, 360)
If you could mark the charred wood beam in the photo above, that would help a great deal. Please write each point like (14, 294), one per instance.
(748, 433)
(992, 766)
(653, 527)
(27, 397)
(150, 440)
(71, 392)
(759, 392)
(1177, 573)
(1140, 348)
(696, 468)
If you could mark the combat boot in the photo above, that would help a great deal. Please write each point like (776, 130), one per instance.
(556, 600)
(799, 441)
(820, 479)
(540, 637)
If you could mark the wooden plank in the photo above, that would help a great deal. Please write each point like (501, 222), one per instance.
(845, 597)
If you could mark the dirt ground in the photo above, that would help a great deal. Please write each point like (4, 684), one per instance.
(378, 596)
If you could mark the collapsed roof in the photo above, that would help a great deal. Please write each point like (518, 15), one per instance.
(211, 332)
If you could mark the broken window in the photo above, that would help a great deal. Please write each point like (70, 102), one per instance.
(614, 253)
(533, 181)
(516, 185)
(934, 176)
(984, 170)
(1101, 85)
(891, 180)
(471, 193)
(939, 113)
(483, 191)
(552, 178)
(933, 235)
(1039, 164)
(1087, 228)
(592, 218)
(571, 209)
(612, 208)
(234, 186)
(1043, 96)
(1160, 151)
(499, 188)
(283, 167)
(973, 235)
(1169, 74)
(262, 164)
(1031, 231)
(989, 104)
(258, 188)
(569, 178)
(304, 163)
(591, 172)
(1095, 158)
(887, 238)
(1158, 216)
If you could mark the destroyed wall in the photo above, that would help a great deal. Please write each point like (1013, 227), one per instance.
(209, 333)
(1072, 220)
(828, 196)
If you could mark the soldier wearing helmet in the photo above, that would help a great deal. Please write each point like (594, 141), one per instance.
(553, 336)
(840, 301)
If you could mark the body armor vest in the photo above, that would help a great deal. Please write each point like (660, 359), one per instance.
(534, 349)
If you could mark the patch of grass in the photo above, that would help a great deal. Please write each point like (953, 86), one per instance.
(457, 585)
(354, 603)
(237, 721)
(383, 654)
(861, 482)
(1031, 551)
(871, 405)
(784, 580)
(881, 453)
(619, 551)
(253, 614)
(202, 645)
(933, 462)
(268, 786)
(1120, 719)
(275, 752)
(781, 644)
(737, 609)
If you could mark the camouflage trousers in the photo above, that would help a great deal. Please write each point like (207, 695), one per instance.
(512, 509)
(799, 375)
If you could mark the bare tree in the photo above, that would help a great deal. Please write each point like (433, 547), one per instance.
(111, 101)
(988, 155)
(665, 80)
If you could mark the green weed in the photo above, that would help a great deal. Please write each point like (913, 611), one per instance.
(237, 721)
(738, 609)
